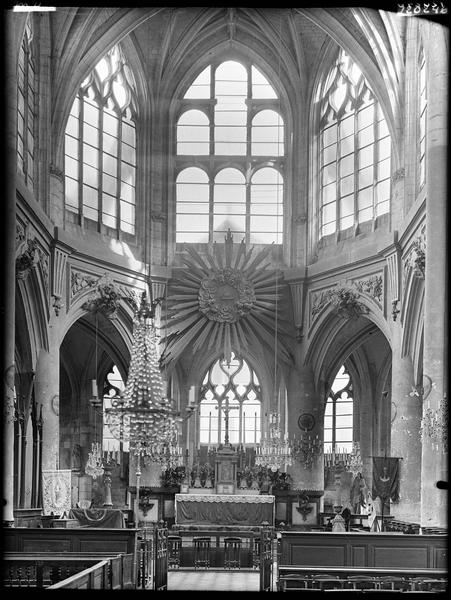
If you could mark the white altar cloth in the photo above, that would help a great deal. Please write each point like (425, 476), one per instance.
(224, 509)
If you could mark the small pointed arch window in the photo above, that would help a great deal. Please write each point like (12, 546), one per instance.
(100, 148)
(230, 404)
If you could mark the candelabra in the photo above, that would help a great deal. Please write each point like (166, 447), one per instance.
(350, 461)
(94, 465)
(274, 452)
(306, 448)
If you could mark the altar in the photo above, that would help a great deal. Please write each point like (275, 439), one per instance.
(224, 509)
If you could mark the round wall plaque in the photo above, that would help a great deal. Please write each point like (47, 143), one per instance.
(306, 421)
(56, 404)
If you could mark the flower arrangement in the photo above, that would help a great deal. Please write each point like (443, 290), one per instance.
(172, 476)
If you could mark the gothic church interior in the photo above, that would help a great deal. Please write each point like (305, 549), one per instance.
(235, 216)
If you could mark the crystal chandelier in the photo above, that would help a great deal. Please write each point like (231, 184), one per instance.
(94, 464)
(274, 452)
(143, 416)
(306, 449)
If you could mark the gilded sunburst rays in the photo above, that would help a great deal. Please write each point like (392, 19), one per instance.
(226, 299)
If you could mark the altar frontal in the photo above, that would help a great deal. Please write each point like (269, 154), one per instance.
(224, 509)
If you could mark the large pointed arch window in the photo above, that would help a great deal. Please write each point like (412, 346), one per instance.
(100, 148)
(230, 391)
(339, 415)
(230, 146)
(354, 151)
(26, 117)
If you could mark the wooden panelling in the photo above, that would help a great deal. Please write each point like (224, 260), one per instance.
(69, 540)
(385, 556)
(317, 548)
(40, 544)
(359, 555)
(98, 545)
(314, 554)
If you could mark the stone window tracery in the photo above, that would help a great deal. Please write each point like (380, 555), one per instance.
(234, 387)
(26, 115)
(422, 109)
(231, 129)
(354, 150)
(100, 147)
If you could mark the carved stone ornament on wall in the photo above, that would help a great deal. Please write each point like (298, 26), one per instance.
(9, 409)
(28, 253)
(45, 271)
(104, 298)
(80, 282)
(344, 300)
(226, 296)
(417, 257)
(373, 286)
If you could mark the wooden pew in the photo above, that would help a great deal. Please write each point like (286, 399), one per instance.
(42, 570)
(61, 542)
(292, 578)
(92, 578)
(303, 552)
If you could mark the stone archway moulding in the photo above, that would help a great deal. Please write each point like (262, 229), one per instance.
(329, 326)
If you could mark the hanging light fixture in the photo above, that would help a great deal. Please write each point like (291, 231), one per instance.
(273, 451)
(142, 415)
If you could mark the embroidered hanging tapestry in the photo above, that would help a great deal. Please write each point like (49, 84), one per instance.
(386, 478)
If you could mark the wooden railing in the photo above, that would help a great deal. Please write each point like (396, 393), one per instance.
(43, 570)
(111, 574)
(92, 578)
(186, 558)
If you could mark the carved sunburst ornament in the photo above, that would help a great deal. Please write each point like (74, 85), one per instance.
(227, 300)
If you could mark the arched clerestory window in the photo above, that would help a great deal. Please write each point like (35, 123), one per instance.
(230, 146)
(230, 391)
(354, 151)
(26, 99)
(100, 149)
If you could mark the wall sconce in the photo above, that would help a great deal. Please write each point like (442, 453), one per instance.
(306, 449)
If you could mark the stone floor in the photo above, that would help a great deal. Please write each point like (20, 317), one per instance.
(213, 581)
